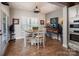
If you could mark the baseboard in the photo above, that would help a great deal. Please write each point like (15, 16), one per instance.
(19, 38)
(65, 46)
(4, 49)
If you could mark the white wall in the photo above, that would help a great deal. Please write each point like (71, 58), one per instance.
(22, 15)
(57, 13)
(0, 18)
(5, 9)
(65, 39)
(0, 32)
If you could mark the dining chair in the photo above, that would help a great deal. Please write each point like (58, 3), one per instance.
(27, 38)
(40, 38)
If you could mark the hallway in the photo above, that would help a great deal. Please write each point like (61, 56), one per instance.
(53, 48)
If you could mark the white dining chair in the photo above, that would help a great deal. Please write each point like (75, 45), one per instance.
(40, 38)
(27, 38)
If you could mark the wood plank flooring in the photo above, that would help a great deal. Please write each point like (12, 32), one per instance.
(53, 48)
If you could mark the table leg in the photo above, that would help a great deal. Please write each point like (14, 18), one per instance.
(24, 42)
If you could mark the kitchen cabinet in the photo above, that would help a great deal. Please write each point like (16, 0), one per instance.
(73, 11)
(78, 10)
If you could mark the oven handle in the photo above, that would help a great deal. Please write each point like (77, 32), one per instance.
(76, 31)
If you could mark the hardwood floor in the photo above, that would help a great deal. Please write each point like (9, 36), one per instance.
(53, 48)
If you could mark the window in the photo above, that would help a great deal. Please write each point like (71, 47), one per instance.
(28, 23)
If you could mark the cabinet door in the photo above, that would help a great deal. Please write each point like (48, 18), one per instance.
(72, 12)
(77, 10)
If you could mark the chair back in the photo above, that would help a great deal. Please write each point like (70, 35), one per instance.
(41, 32)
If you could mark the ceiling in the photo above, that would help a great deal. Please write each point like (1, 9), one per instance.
(45, 7)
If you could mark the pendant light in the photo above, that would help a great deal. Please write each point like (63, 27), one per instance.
(36, 10)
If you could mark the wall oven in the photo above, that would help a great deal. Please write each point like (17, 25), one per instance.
(74, 31)
(74, 37)
(74, 34)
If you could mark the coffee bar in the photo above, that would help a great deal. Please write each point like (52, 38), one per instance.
(52, 28)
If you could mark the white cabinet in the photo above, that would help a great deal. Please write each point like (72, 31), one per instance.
(77, 10)
(73, 11)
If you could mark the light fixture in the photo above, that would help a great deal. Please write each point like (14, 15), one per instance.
(36, 10)
(5, 3)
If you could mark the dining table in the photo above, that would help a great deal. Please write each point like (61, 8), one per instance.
(33, 34)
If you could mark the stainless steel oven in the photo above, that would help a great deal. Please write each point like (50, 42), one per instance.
(74, 34)
(74, 37)
(74, 31)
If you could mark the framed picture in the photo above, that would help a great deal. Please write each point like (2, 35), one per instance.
(42, 22)
(54, 22)
(16, 21)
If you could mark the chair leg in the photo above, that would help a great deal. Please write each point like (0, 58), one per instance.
(35, 42)
(24, 42)
(43, 43)
(38, 44)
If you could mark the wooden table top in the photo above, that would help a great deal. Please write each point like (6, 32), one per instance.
(31, 31)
